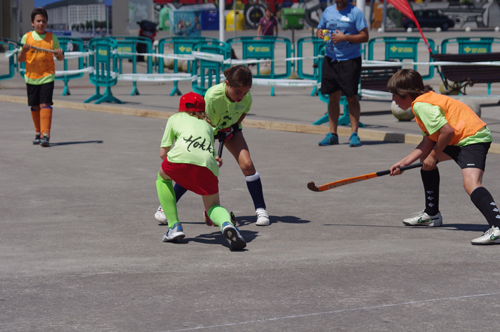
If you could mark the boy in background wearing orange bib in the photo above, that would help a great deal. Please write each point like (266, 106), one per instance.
(40, 73)
(451, 130)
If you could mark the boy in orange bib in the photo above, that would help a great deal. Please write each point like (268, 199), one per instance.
(40, 73)
(451, 130)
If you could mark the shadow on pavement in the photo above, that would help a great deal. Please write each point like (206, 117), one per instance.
(76, 142)
(248, 220)
(444, 227)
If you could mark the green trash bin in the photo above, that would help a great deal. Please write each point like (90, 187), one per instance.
(293, 18)
(164, 18)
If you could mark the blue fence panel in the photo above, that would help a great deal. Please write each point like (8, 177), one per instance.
(180, 46)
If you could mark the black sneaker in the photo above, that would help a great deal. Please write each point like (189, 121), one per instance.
(45, 141)
(36, 141)
(233, 236)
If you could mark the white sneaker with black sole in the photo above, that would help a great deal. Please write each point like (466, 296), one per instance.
(423, 219)
(491, 236)
(160, 216)
(262, 217)
(231, 233)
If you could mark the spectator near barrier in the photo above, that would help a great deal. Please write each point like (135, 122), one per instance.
(346, 29)
(268, 24)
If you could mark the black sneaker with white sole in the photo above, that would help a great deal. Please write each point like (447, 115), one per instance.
(45, 141)
(36, 141)
(231, 233)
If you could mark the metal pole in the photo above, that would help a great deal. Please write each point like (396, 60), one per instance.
(18, 22)
(361, 4)
(107, 21)
(222, 25)
(384, 16)
(372, 5)
(234, 16)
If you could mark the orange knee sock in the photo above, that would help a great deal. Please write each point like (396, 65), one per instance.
(46, 119)
(35, 115)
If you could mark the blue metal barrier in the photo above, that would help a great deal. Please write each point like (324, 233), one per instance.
(129, 44)
(208, 72)
(12, 68)
(401, 48)
(318, 46)
(70, 44)
(181, 46)
(104, 61)
(470, 45)
(264, 48)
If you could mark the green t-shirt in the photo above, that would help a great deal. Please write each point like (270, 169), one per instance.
(194, 141)
(433, 118)
(221, 111)
(55, 46)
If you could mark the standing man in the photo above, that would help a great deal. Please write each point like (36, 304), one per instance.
(341, 69)
(267, 23)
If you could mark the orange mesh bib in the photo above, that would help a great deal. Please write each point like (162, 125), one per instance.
(463, 120)
(39, 63)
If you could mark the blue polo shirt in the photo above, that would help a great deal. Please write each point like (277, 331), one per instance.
(349, 21)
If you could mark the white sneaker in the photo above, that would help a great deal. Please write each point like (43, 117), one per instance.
(491, 236)
(174, 234)
(262, 217)
(423, 219)
(160, 216)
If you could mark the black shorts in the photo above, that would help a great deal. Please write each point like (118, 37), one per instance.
(340, 75)
(469, 156)
(40, 94)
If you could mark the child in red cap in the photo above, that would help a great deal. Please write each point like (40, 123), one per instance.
(192, 163)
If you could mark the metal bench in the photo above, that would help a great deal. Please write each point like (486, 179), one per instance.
(376, 78)
(457, 77)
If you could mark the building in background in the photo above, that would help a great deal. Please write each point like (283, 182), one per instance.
(79, 15)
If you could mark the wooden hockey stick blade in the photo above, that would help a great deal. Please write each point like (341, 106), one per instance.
(312, 186)
(355, 179)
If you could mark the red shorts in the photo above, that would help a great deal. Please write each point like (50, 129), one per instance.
(197, 179)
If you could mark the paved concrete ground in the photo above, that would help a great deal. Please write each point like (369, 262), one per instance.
(81, 250)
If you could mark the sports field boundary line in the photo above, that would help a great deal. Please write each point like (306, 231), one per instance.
(366, 134)
(333, 312)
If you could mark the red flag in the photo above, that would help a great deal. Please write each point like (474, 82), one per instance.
(404, 7)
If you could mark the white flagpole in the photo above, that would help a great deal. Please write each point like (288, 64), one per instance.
(222, 25)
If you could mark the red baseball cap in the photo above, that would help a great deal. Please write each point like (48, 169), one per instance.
(192, 102)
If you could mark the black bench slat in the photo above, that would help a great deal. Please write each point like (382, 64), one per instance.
(476, 57)
(468, 75)
(376, 78)
(472, 74)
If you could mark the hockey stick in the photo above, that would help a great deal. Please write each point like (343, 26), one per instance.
(221, 147)
(355, 179)
(13, 42)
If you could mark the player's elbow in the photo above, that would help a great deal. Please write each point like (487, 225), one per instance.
(364, 36)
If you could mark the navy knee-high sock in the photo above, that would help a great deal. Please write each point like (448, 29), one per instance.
(179, 191)
(483, 200)
(431, 188)
(255, 188)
